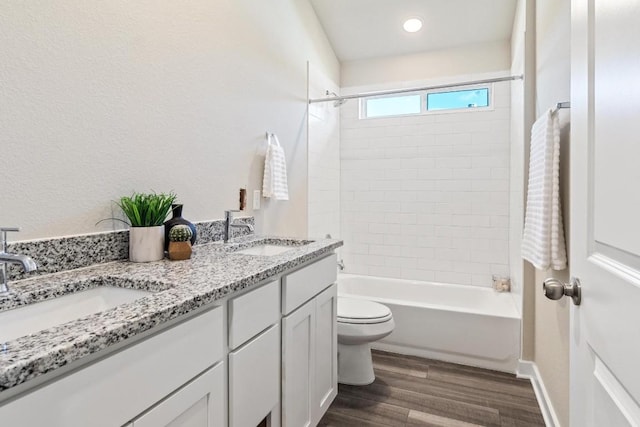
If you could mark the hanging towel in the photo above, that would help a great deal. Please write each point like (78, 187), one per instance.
(543, 241)
(274, 182)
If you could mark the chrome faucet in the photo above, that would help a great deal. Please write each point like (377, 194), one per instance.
(28, 264)
(229, 222)
(341, 264)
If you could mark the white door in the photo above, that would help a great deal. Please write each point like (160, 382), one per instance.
(605, 212)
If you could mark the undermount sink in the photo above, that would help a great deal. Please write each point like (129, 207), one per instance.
(265, 250)
(36, 317)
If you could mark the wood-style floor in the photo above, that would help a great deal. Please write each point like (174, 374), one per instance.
(410, 391)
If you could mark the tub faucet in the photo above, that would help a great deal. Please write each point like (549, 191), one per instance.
(229, 222)
(28, 264)
(341, 264)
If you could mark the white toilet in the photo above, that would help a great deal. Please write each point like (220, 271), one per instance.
(360, 322)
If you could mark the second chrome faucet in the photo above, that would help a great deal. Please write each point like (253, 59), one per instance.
(229, 223)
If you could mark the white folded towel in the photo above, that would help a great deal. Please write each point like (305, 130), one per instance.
(543, 241)
(274, 182)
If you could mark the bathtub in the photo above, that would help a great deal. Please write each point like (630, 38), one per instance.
(460, 324)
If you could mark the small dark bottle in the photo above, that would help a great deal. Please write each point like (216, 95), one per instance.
(177, 219)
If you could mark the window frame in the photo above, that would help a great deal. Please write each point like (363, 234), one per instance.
(423, 102)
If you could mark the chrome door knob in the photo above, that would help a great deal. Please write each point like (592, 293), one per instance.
(555, 289)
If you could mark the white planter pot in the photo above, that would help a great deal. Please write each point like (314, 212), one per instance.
(146, 244)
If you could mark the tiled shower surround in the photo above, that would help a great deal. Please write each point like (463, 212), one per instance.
(427, 197)
(66, 253)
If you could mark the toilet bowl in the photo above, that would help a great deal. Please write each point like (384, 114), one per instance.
(360, 322)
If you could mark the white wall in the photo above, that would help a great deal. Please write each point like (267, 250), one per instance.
(520, 58)
(103, 98)
(522, 118)
(427, 197)
(541, 49)
(553, 85)
(324, 158)
(478, 58)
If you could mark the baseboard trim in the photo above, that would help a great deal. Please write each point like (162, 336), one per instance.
(529, 370)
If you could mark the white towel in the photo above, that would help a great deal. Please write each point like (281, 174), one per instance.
(274, 182)
(543, 241)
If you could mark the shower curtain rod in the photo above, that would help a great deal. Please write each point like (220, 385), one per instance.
(415, 89)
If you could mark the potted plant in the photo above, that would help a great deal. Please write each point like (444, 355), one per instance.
(146, 214)
(179, 242)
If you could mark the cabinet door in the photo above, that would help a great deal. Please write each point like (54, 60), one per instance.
(326, 351)
(298, 359)
(254, 379)
(199, 403)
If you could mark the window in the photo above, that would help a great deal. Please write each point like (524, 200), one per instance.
(425, 102)
(459, 99)
(393, 105)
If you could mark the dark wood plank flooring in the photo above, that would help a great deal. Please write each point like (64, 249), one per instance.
(411, 391)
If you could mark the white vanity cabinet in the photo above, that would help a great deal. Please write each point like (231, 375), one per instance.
(270, 352)
(309, 343)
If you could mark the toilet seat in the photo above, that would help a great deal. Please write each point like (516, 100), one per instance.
(360, 311)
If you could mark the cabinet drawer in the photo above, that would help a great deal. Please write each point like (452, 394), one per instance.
(254, 379)
(302, 285)
(253, 312)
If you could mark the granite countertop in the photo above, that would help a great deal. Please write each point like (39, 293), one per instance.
(213, 272)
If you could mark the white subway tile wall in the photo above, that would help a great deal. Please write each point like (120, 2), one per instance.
(427, 197)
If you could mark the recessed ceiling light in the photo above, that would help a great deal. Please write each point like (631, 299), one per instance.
(412, 25)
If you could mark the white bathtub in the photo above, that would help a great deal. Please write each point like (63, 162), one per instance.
(460, 324)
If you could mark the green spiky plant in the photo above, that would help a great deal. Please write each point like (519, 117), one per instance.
(146, 210)
(180, 233)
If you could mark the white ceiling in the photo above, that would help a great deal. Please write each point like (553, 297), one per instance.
(360, 29)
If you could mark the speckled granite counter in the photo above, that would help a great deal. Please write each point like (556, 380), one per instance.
(214, 272)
